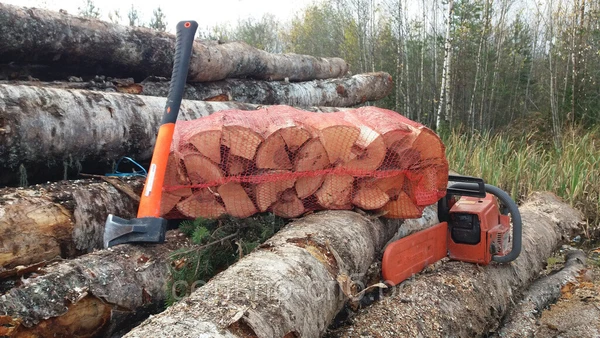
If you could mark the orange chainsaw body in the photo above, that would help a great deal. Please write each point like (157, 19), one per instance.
(475, 232)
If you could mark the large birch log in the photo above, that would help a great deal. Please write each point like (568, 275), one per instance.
(90, 296)
(50, 132)
(460, 299)
(90, 46)
(57, 220)
(342, 92)
(292, 286)
(94, 294)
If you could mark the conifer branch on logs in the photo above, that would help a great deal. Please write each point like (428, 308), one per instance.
(32, 35)
(339, 92)
(458, 299)
(57, 220)
(291, 286)
(46, 132)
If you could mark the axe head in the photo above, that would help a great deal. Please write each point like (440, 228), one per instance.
(138, 230)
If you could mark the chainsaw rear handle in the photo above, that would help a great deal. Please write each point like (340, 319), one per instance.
(151, 196)
(513, 209)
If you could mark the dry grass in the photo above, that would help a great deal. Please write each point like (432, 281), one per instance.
(522, 164)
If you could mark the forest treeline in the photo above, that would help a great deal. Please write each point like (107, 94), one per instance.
(476, 65)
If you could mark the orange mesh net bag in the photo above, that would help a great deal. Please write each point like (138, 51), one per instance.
(288, 161)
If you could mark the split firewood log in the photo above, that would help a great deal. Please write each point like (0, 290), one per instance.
(203, 203)
(237, 201)
(336, 134)
(459, 299)
(269, 192)
(58, 220)
(336, 192)
(87, 45)
(312, 156)
(340, 92)
(368, 151)
(293, 285)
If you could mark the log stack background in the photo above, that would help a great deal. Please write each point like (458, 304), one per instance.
(79, 94)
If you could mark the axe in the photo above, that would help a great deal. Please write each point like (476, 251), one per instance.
(149, 227)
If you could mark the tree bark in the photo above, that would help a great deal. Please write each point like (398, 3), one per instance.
(342, 92)
(92, 295)
(521, 321)
(457, 299)
(96, 294)
(89, 47)
(446, 73)
(46, 134)
(57, 220)
(292, 286)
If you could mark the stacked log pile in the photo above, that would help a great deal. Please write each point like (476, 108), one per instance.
(78, 94)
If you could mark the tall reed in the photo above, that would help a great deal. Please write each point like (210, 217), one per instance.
(522, 164)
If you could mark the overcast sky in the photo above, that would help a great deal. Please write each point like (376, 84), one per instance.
(206, 12)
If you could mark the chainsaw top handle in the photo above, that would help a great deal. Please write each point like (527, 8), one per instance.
(512, 209)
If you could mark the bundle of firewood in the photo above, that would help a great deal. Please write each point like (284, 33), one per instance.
(288, 161)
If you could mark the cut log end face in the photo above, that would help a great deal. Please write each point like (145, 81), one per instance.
(288, 205)
(203, 203)
(338, 142)
(85, 318)
(403, 207)
(201, 169)
(272, 153)
(237, 202)
(368, 152)
(294, 137)
(208, 143)
(268, 193)
(336, 192)
(241, 141)
(370, 196)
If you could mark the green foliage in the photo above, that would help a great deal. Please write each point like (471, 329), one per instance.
(133, 16)
(159, 20)
(89, 10)
(521, 165)
(262, 34)
(216, 245)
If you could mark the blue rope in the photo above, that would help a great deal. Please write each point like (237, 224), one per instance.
(142, 172)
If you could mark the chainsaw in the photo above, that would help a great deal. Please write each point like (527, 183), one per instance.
(473, 228)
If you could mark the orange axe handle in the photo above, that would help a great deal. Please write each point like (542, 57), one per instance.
(151, 196)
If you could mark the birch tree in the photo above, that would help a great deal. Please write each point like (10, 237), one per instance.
(444, 102)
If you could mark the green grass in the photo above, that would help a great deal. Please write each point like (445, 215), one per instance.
(523, 164)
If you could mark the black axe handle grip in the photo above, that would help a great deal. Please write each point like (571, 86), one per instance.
(186, 30)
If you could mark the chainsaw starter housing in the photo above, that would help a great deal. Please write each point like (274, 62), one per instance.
(477, 231)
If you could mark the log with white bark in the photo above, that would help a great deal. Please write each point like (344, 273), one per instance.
(57, 220)
(90, 46)
(521, 321)
(94, 294)
(340, 92)
(90, 296)
(292, 286)
(457, 299)
(47, 132)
